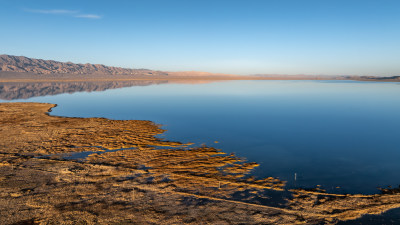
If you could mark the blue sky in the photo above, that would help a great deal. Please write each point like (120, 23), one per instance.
(354, 37)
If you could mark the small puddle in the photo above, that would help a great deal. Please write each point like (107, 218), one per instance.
(81, 156)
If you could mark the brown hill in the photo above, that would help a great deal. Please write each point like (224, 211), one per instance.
(11, 63)
(21, 67)
(22, 64)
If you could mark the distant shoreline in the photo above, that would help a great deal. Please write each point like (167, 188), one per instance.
(24, 69)
(32, 77)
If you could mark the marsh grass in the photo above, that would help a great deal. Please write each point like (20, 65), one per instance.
(157, 182)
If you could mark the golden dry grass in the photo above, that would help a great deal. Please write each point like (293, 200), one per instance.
(150, 184)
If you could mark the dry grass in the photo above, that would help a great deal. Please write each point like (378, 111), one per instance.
(146, 185)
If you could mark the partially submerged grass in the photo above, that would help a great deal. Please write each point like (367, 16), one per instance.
(150, 184)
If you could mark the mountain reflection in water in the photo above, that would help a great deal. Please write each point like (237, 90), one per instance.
(12, 91)
(26, 90)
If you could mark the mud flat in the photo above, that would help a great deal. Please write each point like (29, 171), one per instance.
(131, 176)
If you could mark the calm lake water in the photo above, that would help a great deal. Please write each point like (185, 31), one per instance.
(342, 134)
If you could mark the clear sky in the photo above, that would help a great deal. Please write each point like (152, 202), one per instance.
(353, 37)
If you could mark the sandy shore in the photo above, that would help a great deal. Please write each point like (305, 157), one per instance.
(151, 181)
(176, 77)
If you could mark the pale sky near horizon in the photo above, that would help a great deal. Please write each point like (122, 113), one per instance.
(331, 37)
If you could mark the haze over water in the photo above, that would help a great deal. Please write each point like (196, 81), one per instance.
(330, 133)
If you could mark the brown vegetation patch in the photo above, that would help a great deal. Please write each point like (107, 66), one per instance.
(27, 129)
(157, 182)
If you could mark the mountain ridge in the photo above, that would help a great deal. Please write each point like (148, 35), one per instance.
(21, 67)
(10, 63)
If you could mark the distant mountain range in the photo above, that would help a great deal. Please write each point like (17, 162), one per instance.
(23, 64)
(24, 67)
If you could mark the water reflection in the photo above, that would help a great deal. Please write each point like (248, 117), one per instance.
(25, 90)
(342, 135)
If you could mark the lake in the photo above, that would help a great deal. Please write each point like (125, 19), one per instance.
(342, 135)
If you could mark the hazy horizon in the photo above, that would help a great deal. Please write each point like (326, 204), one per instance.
(180, 71)
(233, 37)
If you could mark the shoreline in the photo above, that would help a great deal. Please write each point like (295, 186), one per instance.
(119, 184)
(31, 77)
(118, 78)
